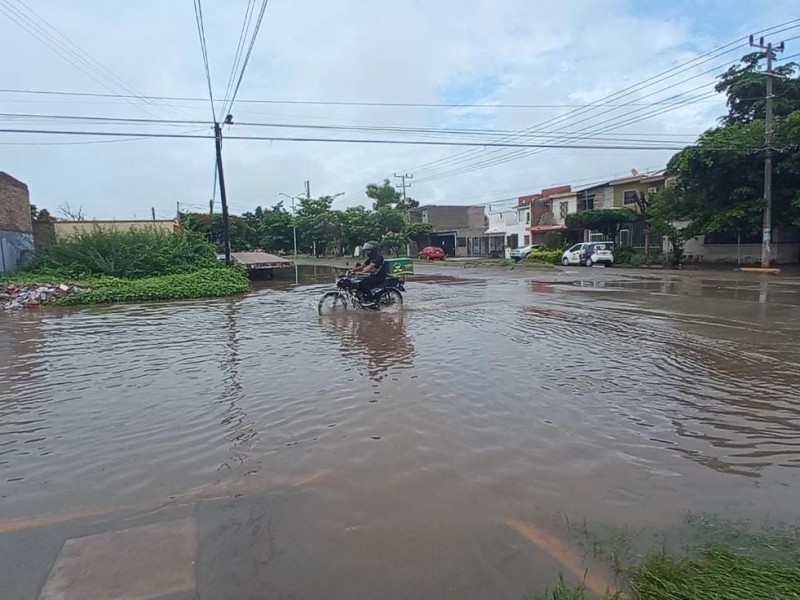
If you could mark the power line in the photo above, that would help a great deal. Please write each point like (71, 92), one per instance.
(247, 56)
(708, 56)
(237, 56)
(353, 140)
(201, 34)
(314, 102)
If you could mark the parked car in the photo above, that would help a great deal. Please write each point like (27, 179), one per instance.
(519, 253)
(432, 253)
(589, 254)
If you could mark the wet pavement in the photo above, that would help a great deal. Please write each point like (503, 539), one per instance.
(248, 448)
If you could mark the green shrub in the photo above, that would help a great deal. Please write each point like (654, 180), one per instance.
(197, 284)
(553, 240)
(637, 260)
(624, 254)
(136, 253)
(552, 257)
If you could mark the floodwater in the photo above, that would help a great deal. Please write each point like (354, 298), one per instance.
(372, 455)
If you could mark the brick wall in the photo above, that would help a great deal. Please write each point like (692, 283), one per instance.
(15, 207)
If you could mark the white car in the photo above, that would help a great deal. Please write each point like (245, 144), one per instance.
(519, 253)
(589, 254)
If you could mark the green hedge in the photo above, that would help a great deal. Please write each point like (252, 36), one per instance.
(197, 284)
(552, 257)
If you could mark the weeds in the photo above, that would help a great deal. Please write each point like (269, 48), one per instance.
(197, 284)
(132, 254)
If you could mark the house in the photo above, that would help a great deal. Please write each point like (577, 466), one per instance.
(65, 229)
(16, 228)
(460, 230)
(549, 210)
(626, 191)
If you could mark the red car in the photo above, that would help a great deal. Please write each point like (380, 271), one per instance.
(432, 253)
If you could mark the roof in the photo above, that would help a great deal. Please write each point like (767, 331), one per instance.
(567, 194)
(494, 231)
(260, 259)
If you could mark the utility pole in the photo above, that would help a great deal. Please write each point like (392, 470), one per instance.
(767, 226)
(308, 189)
(226, 233)
(178, 208)
(403, 183)
(153, 212)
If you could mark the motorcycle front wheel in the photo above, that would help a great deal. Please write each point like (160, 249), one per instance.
(332, 302)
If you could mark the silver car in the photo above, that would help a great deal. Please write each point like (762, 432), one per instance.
(519, 253)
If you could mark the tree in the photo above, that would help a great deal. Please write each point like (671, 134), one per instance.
(389, 220)
(270, 228)
(394, 242)
(418, 232)
(719, 181)
(384, 195)
(744, 86)
(606, 220)
(359, 226)
(69, 213)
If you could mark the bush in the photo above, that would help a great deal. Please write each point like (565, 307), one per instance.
(197, 284)
(553, 241)
(624, 254)
(132, 254)
(552, 257)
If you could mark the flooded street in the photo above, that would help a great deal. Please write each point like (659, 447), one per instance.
(431, 453)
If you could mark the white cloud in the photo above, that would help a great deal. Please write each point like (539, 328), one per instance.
(531, 52)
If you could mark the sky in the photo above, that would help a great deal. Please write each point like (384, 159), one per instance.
(550, 59)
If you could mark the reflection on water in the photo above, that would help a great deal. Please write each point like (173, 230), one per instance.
(378, 338)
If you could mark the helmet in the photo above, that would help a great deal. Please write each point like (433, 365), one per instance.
(370, 247)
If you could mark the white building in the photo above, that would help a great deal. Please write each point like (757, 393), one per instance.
(507, 229)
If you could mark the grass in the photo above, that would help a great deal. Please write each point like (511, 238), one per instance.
(202, 283)
(523, 264)
(717, 559)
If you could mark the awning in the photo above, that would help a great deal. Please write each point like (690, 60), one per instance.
(545, 228)
(494, 231)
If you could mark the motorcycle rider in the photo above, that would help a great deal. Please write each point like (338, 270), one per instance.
(373, 272)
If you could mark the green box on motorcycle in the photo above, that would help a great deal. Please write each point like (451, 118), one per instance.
(399, 267)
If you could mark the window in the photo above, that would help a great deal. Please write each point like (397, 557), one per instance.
(563, 209)
(652, 190)
(629, 197)
(528, 217)
(527, 239)
(424, 216)
(575, 248)
(624, 237)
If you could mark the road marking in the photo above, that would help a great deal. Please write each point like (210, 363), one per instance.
(564, 555)
(205, 492)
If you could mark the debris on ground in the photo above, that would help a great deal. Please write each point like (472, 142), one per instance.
(31, 295)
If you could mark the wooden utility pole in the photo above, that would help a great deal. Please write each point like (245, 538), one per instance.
(766, 252)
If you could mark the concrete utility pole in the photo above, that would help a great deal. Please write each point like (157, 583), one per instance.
(403, 183)
(226, 233)
(153, 212)
(308, 189)
(768, 49)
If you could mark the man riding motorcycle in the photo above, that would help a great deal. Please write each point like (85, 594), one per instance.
(373, 272)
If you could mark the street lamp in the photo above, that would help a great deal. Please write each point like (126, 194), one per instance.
(294, 231)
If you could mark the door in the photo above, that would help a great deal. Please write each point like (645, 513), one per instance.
(574, 254)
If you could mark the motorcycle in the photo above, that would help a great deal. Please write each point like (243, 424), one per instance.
(387, 295)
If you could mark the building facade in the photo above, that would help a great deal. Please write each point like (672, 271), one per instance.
(16, 228)
(460, 230)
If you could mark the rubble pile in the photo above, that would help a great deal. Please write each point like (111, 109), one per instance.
(31, 295)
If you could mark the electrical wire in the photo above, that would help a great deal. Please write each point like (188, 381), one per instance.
(201, 33)
(248, 16)
(247, 56)
(708, 56)
(354, 140)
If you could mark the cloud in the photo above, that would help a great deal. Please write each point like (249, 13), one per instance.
(508, 52)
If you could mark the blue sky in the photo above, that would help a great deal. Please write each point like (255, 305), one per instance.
(553, 55)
